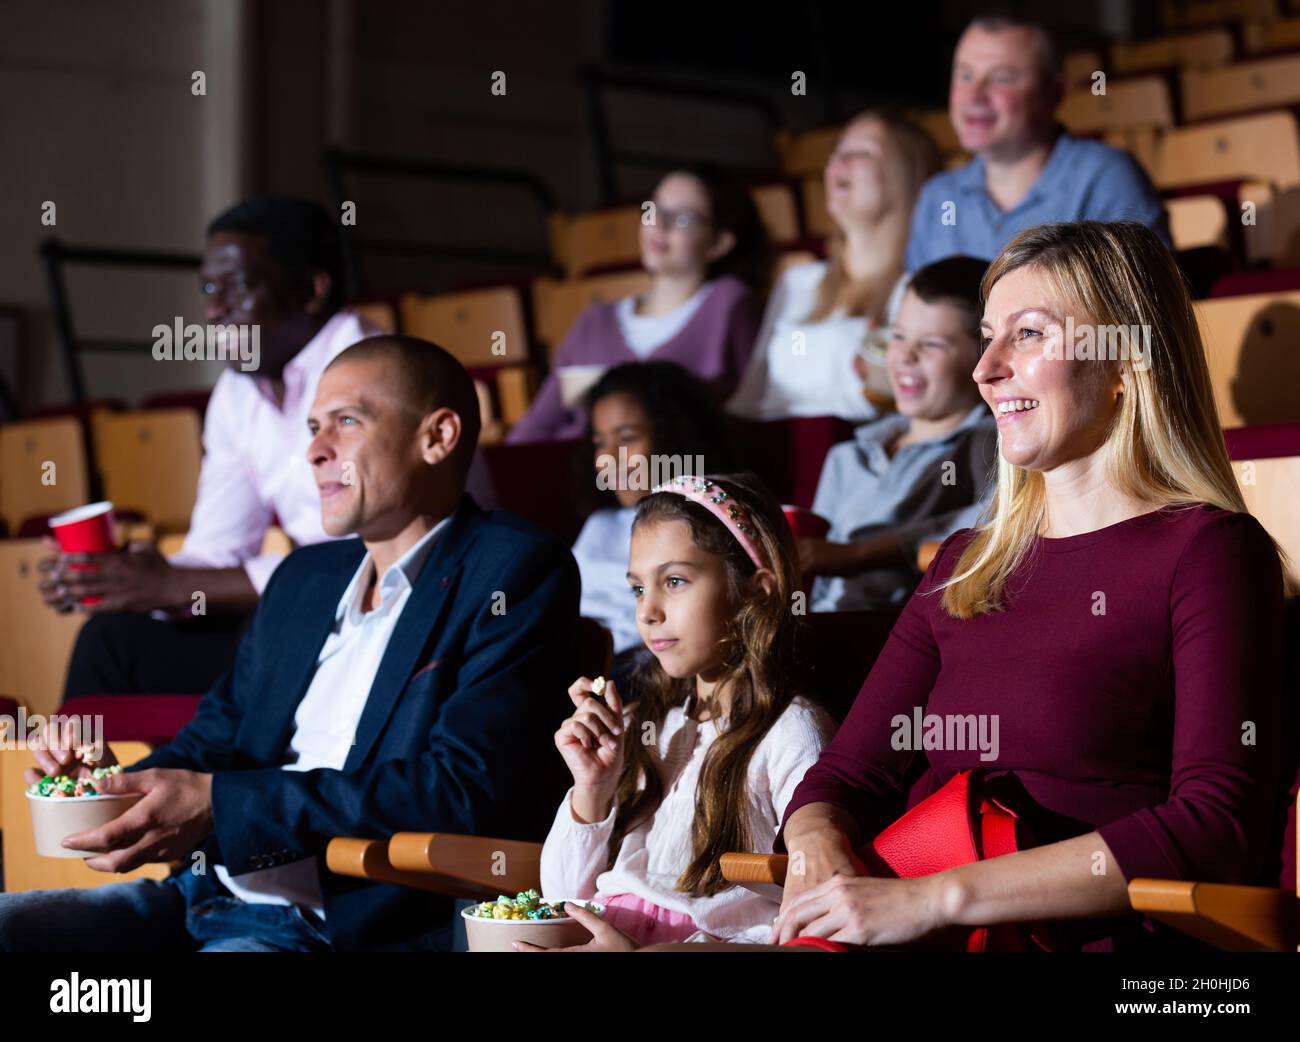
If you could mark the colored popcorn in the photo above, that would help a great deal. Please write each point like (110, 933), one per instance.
(64, 787)
(527, 904)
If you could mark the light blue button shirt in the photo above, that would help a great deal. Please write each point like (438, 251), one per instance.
(1083, 180)
(918, 494)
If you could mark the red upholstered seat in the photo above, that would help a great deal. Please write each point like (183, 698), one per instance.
(538, 480)
(836, 650)
(1263, 441)
(8, 707)
(1245, 283)
(788, 454)
(136, 718)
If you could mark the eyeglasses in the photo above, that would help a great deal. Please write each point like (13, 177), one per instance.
(682, 219)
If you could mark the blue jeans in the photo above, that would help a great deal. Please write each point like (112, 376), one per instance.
(183, 913)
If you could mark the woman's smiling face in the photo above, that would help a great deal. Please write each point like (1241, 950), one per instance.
(1050, 409)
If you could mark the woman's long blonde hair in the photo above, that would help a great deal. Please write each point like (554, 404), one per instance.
(1164, 445)
(916, 158)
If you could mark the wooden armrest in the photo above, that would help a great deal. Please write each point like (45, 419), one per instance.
(468, 866)
(1235, 918)
(754, 868)
(368, 859)
(926, 554)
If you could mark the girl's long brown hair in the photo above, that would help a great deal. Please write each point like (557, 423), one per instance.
(916, 158)
(756, 652)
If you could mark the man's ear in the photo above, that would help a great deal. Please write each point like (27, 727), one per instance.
(322, 285)
(439, 435)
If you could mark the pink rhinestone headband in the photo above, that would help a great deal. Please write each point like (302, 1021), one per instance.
(713, 498)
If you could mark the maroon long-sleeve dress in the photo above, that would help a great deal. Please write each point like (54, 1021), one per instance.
(1134, 677)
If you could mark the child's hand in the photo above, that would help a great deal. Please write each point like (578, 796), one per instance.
(604, 938)
(591, 740)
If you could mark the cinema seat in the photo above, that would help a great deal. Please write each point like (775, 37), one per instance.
(788, 454)
(1252, 345)
(1139, 102)
(1198, 221)
(483, 328)
(37, 641)
(1182, 51)
(557, 304)
(1264, 147)
(43, 469)
(1260, 37)
(1248, 86)
(778, 211)
(149, 461)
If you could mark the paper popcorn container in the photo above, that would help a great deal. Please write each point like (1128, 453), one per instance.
(85, 530)
(53, 818)
(497, 935)
(805, 524)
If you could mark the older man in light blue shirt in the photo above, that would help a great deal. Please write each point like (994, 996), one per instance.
(1027, 170)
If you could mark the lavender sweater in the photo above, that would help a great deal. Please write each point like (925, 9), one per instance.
(715, 345)
(1132, 722)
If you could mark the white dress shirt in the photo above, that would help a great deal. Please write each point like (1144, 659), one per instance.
(325, 722)
(255, 465)
(658, 851)
(802, 368)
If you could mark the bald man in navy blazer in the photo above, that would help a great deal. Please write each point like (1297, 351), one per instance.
(408, 680)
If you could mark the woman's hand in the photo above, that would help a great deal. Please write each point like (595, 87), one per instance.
(864, 910)
(591, 742)
(604, 938)
(816, 855)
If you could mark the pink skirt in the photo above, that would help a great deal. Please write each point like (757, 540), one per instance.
(644, 922)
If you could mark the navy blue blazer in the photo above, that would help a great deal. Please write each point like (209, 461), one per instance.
(456, 734)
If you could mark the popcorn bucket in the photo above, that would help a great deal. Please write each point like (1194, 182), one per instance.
(53, 818)
(497, 935)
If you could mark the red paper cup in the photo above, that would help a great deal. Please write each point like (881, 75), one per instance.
(805, 524)
(85, 530)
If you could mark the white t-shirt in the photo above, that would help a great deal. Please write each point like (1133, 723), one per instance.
(601, 551)
(802, 368)
(646, 333)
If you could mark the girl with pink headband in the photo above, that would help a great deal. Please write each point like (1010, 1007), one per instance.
(714, 739)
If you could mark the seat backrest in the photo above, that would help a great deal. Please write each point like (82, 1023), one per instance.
(1241, 87)
(788, 454)
(1139, 102)
(1271, 489)
(483, 328)
(35, 642)
(836, 650)
(1282, 34)
(557, 304)
(150, 462)
(778, 211)
(1183, 50)
(43, 469)
(599, 239)
(1196, 221)
(1252, 345)
(1263, 147)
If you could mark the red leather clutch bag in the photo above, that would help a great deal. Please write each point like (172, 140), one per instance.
(960, 824)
